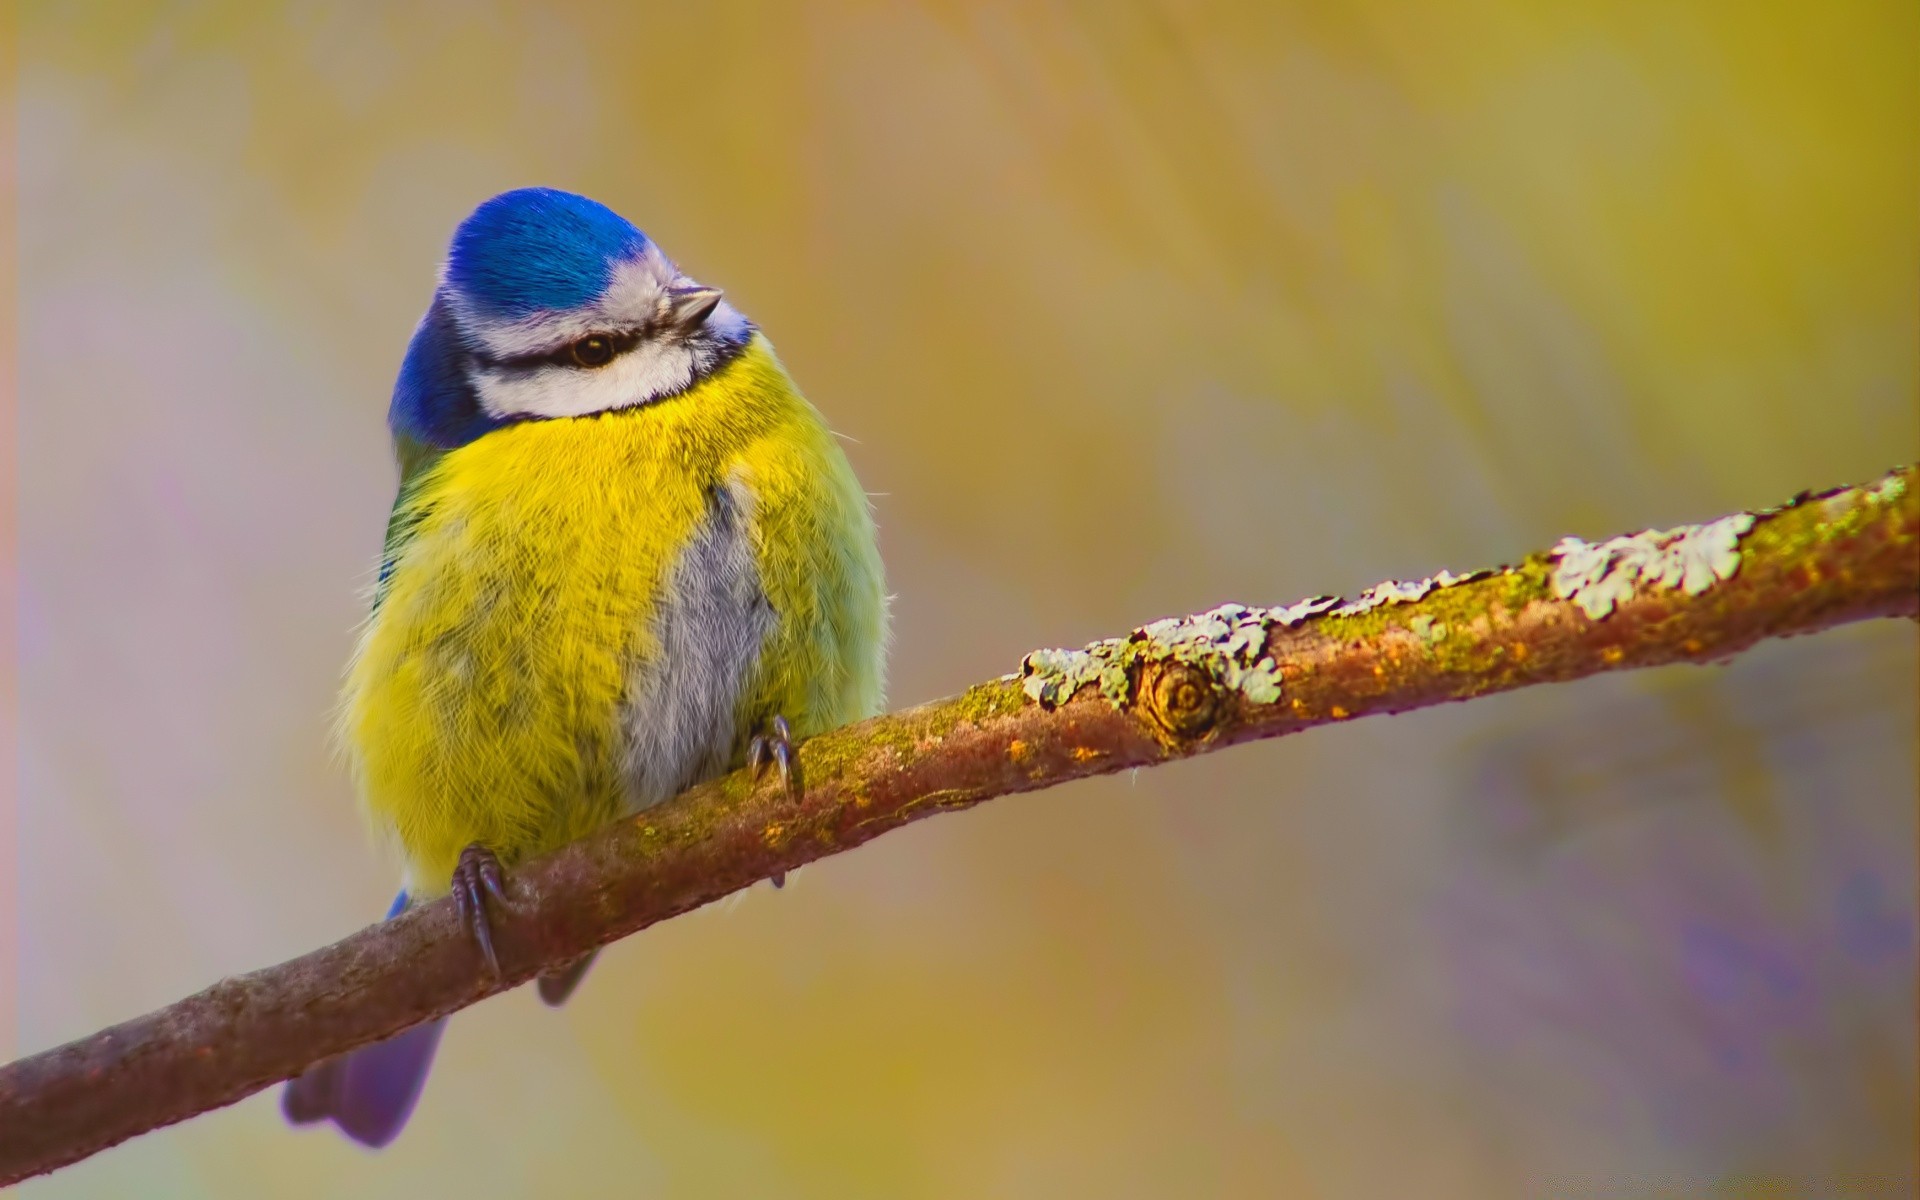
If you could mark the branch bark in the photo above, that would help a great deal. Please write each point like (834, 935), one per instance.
(1172, 689)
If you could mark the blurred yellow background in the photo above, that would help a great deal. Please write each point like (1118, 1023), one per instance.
(1129, 310)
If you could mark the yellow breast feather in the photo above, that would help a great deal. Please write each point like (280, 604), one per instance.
(491, 699)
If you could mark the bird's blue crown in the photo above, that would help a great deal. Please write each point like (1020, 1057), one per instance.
(538, 249)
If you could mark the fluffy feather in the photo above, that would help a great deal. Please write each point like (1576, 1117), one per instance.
(500, 694)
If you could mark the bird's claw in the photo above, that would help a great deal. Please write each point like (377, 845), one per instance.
(776, 747)
(475, 877)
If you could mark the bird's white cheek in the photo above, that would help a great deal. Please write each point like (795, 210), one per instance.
(645, 373)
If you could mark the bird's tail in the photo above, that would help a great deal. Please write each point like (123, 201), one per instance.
(370, 1092)
(556, 986)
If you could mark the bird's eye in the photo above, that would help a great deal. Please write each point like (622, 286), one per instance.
(595, 350)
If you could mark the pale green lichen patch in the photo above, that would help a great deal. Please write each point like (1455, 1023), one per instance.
(1229, 643)
(1891, 488)
(1300, 610)
(1599, 577)
(1395, 591)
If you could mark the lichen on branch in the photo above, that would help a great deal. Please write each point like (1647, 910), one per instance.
(1229, 643)
(1692, 558)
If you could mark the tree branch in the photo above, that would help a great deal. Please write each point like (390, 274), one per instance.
(1173, 689)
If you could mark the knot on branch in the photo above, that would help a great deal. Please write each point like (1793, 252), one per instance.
(1180, 699)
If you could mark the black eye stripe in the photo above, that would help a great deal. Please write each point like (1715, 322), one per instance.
(621, 341)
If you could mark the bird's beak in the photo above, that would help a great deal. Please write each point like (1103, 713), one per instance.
(688, 306)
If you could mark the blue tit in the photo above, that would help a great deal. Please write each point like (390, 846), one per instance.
(625, 553)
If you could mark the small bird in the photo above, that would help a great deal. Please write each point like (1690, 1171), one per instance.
(627, 556)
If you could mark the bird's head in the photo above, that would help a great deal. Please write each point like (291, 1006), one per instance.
(552, 305)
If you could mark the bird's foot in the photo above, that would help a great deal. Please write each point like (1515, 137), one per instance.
(475, 877)
(776, 747)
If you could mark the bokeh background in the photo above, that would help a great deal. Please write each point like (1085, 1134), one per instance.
(1128, 310)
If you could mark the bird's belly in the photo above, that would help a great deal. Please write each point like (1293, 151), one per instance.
(529, 680)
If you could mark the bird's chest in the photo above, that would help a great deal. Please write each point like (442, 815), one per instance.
(566, 633)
